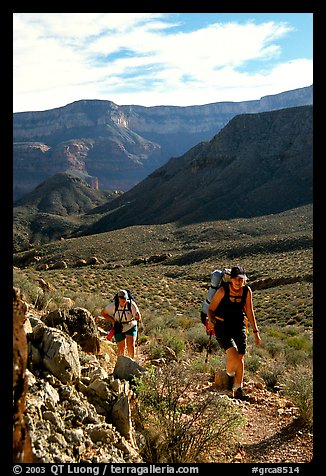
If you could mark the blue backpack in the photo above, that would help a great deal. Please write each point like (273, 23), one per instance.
(218, 277)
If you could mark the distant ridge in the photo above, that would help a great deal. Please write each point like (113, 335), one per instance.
(257, 164)
(120, 145)
(54, 209)
(63, 194)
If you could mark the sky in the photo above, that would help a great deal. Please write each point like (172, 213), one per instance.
(155, 59)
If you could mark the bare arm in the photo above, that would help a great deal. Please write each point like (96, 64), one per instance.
(135, 312)
(251, 316)
(105, 314)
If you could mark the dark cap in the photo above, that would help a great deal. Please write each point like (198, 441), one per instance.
(238, 272)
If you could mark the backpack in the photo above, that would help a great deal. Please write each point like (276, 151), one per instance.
(218, 278)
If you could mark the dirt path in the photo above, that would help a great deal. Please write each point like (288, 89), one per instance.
(272, 433)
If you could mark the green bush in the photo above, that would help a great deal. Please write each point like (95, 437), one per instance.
(155, 349)
(274, 346)
(198, 338)
(272, 373)
(298, 342)
(297, 384)
(92, 302)
(27, 286)
(253, 363)
(295, 357)
(174, 427)
(173, 339)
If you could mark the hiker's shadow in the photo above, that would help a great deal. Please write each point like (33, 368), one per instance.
(289, 432)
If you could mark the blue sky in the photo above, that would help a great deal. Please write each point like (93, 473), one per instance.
(153, 59)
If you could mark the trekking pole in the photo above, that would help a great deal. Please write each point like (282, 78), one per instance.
(209, 345)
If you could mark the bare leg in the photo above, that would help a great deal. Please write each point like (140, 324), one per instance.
(235, 364)
(131, 340)
(238, 379)
(121, 347)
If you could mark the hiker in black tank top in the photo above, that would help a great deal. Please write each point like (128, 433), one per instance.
(231, 307)
(227, 314)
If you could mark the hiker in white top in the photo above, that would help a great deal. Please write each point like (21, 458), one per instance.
(124, 314)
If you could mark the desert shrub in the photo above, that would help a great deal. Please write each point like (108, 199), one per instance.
(27, 286)
(298, 342)
(198, 339)
(92, 302)
(174, 427)
(154, 323)
(173, 339)
(297, 384)
(253, 362)
(142, 339)
(207, 362)
(49, 301)
(295, 357)
(272, 373)
(33, 294)
(155, 349)
(185, 322)
(274, 346)
(276, 332)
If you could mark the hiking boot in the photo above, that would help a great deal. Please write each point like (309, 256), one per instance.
(230, 381)
(240, 394)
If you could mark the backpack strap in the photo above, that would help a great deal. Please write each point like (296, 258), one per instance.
(130, 298)
(123, 312)
(116, 307)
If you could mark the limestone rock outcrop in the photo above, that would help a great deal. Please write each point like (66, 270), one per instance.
(69, 404)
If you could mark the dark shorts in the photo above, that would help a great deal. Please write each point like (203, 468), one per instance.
(119, 336)
(227, 337)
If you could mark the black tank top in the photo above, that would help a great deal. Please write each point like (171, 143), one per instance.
(232, 312)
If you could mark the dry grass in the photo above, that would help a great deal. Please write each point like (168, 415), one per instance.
(170, 293)
(278, 245)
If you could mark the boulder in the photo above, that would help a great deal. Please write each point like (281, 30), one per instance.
(60, 355)
(79, 324)
(126, 368)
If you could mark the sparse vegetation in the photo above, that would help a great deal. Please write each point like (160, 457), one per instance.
(175, 427)
(298, 386)
(170, 294)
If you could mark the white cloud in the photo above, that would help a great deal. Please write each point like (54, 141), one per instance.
(140, 58)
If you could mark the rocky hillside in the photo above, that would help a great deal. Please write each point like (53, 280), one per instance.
(120, 145)
(257, 164)
(73, 406)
